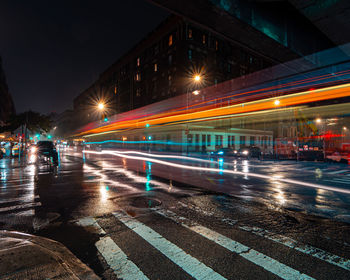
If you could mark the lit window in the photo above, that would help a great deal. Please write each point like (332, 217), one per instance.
(138, 61)
(138, 77)
(189, 33)
(170, 40)
(155, 67)
(216, 45)
(204, 39)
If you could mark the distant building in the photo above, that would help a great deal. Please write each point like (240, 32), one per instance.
(163, 65)
(7, 107)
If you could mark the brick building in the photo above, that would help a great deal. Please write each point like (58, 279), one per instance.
(163, 64)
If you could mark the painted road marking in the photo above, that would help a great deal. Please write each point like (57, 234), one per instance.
(26, 198)
(306, 249)
(118, 261)
(191, 265)
(114, 256)
(90, 222)
(22, 206)
(269, 264)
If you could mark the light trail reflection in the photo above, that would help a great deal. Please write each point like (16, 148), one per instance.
(256, 175)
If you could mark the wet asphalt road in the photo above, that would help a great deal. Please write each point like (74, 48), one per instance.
(166, 222)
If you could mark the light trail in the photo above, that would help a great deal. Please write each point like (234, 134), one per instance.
(252, 106)
(261, 176)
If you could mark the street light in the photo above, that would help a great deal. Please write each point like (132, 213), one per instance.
(197, 78)
(196, 92)
(101, 106)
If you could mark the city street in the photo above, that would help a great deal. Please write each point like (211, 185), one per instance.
(134, 215)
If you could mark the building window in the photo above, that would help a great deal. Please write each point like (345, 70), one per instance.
(138, 92)
(208, 140)
(204, 39)
(190, 54)
(218, 140)
(138, 61)
(170, 59)
(169, 78)
(241, 141)
(229, 67)
(189, 33)
(138, 77)
(189, 139)
(170, 40)
(155, 67)
(216, 45)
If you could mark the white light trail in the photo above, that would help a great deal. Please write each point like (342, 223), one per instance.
(217, 170)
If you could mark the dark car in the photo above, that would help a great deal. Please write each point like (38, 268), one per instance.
(224, 152)
(249, 152)
(47, 149)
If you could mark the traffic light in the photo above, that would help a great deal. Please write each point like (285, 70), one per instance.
(105, 119)
(49, 136)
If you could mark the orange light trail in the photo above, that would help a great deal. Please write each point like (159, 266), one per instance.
(252, 106)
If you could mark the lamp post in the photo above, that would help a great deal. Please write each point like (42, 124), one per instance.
(101, 107)
(195, 80)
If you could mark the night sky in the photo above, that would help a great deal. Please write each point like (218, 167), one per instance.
(53, 50)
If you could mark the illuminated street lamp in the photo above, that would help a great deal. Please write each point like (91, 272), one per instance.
(196, 92)
(277, 102)
(101, 106)
(318, 120)
(197, 78)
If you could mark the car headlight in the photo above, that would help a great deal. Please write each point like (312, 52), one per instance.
(245, 152)
(235, 152)
(220, 153)
(33, 150)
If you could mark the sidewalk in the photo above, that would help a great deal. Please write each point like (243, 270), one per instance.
(24, 256)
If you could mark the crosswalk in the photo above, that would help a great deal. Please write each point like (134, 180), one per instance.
(166, 232)
(17, 196)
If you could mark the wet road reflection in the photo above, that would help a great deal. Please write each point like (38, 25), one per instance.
(276, 184)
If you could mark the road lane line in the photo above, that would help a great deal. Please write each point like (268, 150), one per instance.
(113, 255)
(191, 265)
(22, 206)
(118, 261)
(306, 249)
(267, 263)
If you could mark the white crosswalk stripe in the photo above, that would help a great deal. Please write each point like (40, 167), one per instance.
(306, 249)
(191, 265)
(114, 256)
(20, 206)
(269, 264)
(125, 268)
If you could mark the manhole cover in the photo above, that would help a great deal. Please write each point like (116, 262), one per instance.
(145, 202)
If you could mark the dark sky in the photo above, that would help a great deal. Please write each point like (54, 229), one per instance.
(53, 50)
